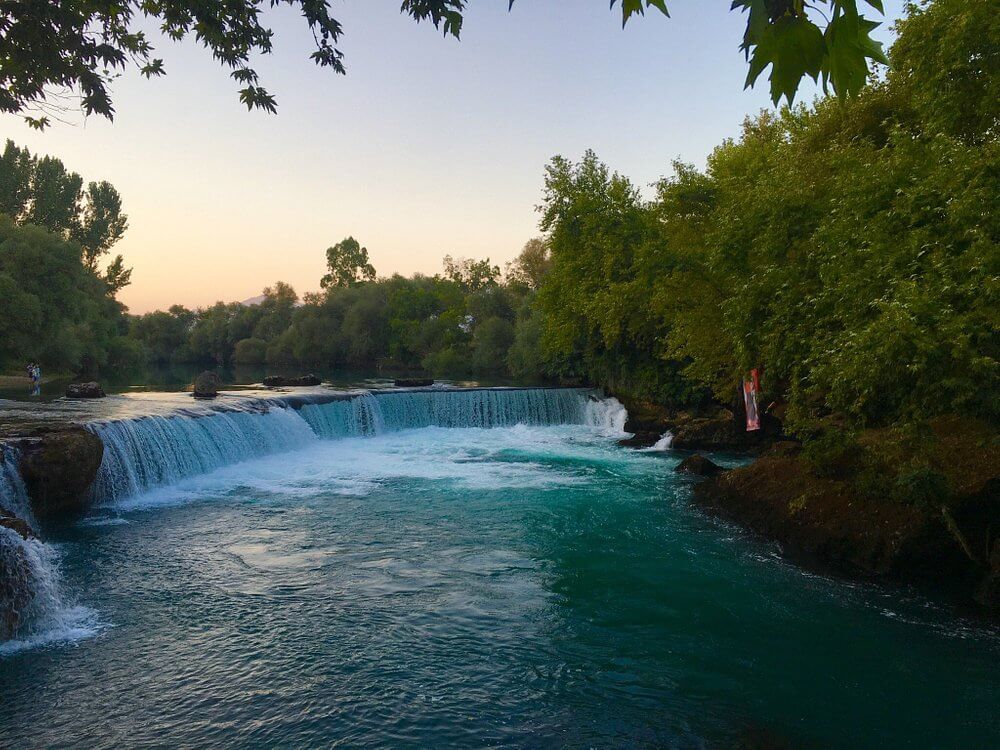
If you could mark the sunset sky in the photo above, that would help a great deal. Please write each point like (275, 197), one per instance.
(429, 146)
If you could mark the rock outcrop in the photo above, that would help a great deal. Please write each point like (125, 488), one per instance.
(712, 428)
(9, 521)
(699, 466)
(85, 390)
(207, 385)
(646, 421)
(58, 465)
(16, 585)
(952, 547)
(277, 381)
(16, 590)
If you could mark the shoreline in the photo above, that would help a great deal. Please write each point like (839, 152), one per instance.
(951, 550)
(827, 517)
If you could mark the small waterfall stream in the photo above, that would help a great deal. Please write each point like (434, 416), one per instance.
(13, 495)
(29, 568)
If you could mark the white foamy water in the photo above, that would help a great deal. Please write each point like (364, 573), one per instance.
(607, 414)
(48, 617)
(161, 451)
(32, 584)
(465, 459)
(662, 445)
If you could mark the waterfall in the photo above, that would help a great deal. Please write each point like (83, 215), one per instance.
(13, 495)
(662, 445)
(607, 414)
(30, 599)
(153, 451)
(370, 414)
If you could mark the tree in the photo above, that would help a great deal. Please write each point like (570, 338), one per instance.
(347, 264)
(41, 191)
(531, 265)
(275, 311)
(101, 222)
(51, 53)
(56, 197)
(16, 166)
(54, 310)
(471, 274)
(847, 248)
(947, 56)
(491, 341)
(164, 336)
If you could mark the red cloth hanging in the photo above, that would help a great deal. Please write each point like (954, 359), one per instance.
(751, 387)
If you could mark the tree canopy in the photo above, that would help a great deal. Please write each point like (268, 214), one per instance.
(39, 190)
(55, 54)
(850, 251)
(347, 264)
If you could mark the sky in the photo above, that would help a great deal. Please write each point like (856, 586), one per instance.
(428, 146)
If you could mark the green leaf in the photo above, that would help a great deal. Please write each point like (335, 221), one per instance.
(38, 123)
(849, 47)
(631, 7)
(794, 47)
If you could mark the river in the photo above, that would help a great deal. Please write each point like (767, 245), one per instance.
(471, 568)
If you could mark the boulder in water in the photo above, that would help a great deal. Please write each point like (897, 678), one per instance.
(640, 440)
(58, 465)
(699, 466)
(9, 521)
(16, 589)
(413, 382)
(85, 390)
(276, 381)
(207, 385)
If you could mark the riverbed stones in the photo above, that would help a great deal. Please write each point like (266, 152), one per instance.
(58, 465)
(85, 390)
(640, 440)
(699, 466)
(413, 382)
(207, 385)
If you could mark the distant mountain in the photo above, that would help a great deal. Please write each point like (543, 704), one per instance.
(253, 301)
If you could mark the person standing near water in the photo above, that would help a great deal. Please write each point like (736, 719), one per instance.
(35, 376)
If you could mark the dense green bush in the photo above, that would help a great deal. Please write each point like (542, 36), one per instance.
(53, 309)
(250, 352)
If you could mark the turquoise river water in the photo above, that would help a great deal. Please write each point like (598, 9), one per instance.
(455, 570)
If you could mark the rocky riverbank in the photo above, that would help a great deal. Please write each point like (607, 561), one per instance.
(714, 428)
(853, 526)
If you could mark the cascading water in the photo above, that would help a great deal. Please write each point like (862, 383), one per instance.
(30, 602)
(663, 444)
(148, 452)
(13, 495)
(153, 451)
(371, 414)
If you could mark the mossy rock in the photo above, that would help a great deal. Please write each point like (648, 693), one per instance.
(207, 385)
(58, 465)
